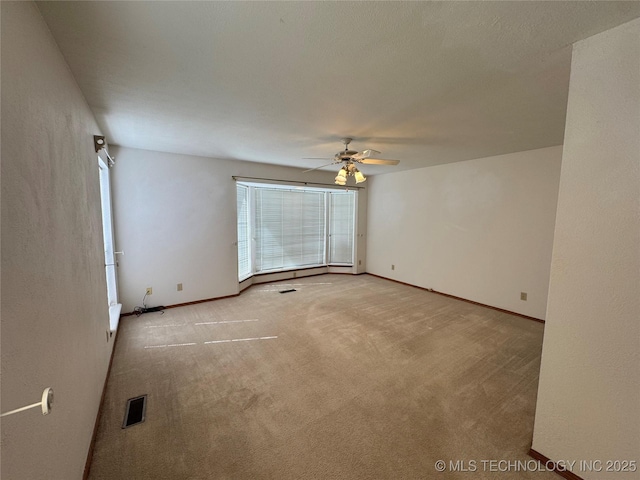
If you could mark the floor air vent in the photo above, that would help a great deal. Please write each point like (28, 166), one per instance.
(287, 291)
(136, 408)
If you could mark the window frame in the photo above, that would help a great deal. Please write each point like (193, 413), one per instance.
(329, 258)
(251, 255)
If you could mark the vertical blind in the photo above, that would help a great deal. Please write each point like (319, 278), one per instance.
(280, 229)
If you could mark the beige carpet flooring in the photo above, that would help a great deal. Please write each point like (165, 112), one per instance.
(349, 377)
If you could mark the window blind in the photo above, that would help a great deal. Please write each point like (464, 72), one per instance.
(244, 247)
(289, 228)
(341, 227)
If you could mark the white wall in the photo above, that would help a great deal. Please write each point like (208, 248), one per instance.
(175, 219)
(480, 230)
(589, 392)
(54, 301)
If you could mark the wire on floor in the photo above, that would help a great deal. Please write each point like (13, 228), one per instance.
(144, 309)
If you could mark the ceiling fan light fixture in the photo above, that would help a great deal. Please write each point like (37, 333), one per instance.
(341, 178)
(359, 176)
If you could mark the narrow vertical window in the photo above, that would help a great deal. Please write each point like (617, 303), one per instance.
(109, 250)
(341, 227)
(244, 250)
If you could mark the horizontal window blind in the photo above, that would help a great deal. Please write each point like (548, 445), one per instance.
(289, 229)
(244, 250)
(341, 227)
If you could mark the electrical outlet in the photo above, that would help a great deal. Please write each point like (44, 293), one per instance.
(359, 262)
(149, 291)
(523, 296)
(179, 287)
(393, 267)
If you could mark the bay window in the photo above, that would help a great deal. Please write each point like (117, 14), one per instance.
(284, 228)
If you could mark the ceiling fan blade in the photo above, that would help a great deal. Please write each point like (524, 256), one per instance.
(312, 169)
(365, 154)
(316, 158)
(379, 161)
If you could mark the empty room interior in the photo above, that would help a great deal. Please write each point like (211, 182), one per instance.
(287, 240)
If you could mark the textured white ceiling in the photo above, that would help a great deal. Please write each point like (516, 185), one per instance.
(424, 82)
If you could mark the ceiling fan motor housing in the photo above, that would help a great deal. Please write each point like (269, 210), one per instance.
(350, 157)
(345, 155)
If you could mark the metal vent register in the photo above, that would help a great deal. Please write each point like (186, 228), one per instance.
(136, 409)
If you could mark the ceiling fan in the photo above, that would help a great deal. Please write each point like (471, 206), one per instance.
(349, 158)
